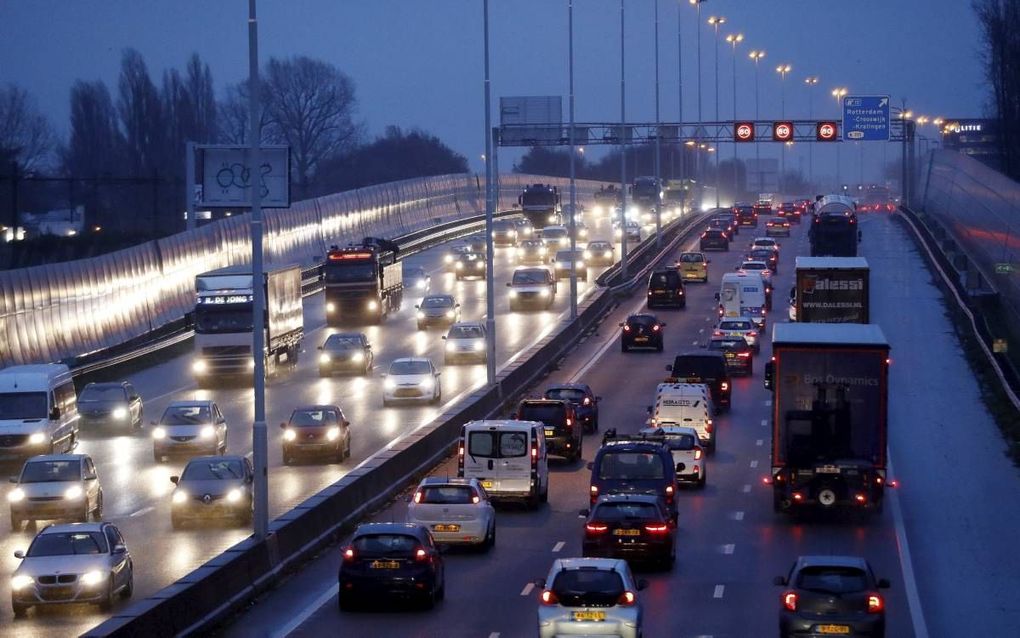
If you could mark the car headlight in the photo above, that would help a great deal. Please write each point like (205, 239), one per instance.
(358, 357)
(460, 265)
(324, 358)
(542, 251)
(251, 364)
(427, 383)
(580, 264)
(390, 384)
(479, 265)
(330, 307)
(179, 496)
(587, 254)
(448, 258)
(520, 251)
(421, 283)
(199, 366)
(120, 413)
(208, 432)
(513, 294)
(451, 347)
(21, 581)
(450, 314)
(372, 305)
(16, 495)
(608, 253)
(479, 345)
(289, 435)
(92, 578)
(333, 433)
(544, 292)
(234, 495)
(421, 315)
(158, 433)
(37, 437)
(74, 492)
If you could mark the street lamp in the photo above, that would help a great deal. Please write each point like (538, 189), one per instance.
(623, 154)
(811, 81)
(734, 39)
(490, 207)
(717, 21)
(697, 157)
(757, 55)
(782, 70)
(838, 93)
(658, 134)
(573, 183)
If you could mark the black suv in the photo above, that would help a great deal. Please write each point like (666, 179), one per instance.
(630, 526)
(641, 331)
(563, 435)
(715, 239)
(666, 288)
(634, 465)
(739, 356)
(703, 367)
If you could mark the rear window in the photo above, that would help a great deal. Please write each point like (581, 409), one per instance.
(832, 580)
(664, 279)
(610, 512)
(566, 394)
(680, 441)
(631, 465)
(735, 325)
(550, 414)
(492, 445)
(764, 254)
(385, 544)
(446, 495)
(584, 587)
(691, 259)
(700, 367)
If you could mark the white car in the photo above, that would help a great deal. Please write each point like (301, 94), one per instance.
(759, 267)
(465, 341)
(739, 327)
(532, 287)
(56, 487)
(590, 597)
(556, 236)
(455, 511)
(411, 379)
(688, 455)
(764, 242)
(189, 428)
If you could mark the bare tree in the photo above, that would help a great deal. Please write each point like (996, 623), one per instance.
(25, 134)
(310, 106)
(203, 100)
(141, 115)
(232, 117)
(95, 141)
(1000, 23)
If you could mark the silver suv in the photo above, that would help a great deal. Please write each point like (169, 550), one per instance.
(56, 487)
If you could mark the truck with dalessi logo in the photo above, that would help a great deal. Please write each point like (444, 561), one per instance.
(831, 290)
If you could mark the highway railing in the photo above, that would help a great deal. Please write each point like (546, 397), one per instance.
(201, 599)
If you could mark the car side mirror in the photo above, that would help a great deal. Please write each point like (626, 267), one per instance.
(319, 348)
(249, 479)
(708, 261)
(663, 324)
(883, 583)
(584, 512)
(55, 413)
(456, 305)
(770, 367)
(642, 584)
(19, 554)
(175, 479)
(443, 337)
(779, 580)
(119, 549)
(648, 409)
(620, 324)
(417, 307)
(508, 284)
(152, 423)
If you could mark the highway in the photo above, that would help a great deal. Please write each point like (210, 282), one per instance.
(945, 539)
(137, 490)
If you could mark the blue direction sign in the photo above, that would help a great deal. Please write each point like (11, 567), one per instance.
(866, 118)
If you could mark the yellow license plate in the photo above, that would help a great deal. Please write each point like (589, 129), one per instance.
(447, 528)
(385, 564)
(589, 615)
(640, 339)
(626, 532)
(487, 485)
(550, 432)
(834, 629)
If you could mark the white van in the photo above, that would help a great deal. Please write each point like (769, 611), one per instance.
(742, 294)
(684, 404)
(38, 410)
(508, 457)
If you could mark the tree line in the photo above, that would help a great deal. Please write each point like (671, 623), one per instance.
(1000, 27)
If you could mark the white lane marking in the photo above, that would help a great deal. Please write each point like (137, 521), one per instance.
(768, 402)
(764, 421)
(306, 613)
(728, 549)
(738, 516)
(719, 589)
(558, 546)
(754, 464)
(747, 489)
(700, 330)
(906, 564)
(494, 634)
(760, 442)
(694, 343)
(141, 512)
(527, 589)
(708, 318)
(166, 394)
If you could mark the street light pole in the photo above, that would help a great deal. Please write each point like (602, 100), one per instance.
(782, 70)
(716, 22)
(490, 305)
(838, 93)
(697, 136)
(757, 55)
(623, 155)
(658, 134)
(680, 96)
(734, 39)
(811, 82)
(259, 444)
(573, 184)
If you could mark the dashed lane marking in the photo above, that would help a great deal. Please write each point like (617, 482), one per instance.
(558, 546)
(754, 464)
(141, 512)
(764, 422)
(760, 442)
(738, 516)
(527, 589)
(768, 402)
(494, 634)
(728, 549)
(306, 613)
(719, 589)
(747, 489)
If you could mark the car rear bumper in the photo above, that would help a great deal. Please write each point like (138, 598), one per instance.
(795, 625)
(554, 622)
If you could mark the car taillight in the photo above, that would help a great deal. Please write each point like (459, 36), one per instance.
(655, 328)
(744, 355)
(594, 493)
(657, 529)
(717, 333)
(548, 597)
(708, 426)
(753, 333)
(697, 455)
(594, 529)
(861, 498)
(421, 555)
(627, 599)
(790, 600)
(669, 493)
(417, 496)
(724, 386)
(626, 328)
(876, 604)
(569, 422)
(534, 453)
(349, 555)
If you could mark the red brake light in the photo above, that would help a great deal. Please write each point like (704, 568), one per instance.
(724, 386)
(753, 333)
(627, 599)
(460, 450)
(697, 454)
(421, 555)
(744, 355)
(655, 328)
(417, 496)
(587, 401)
(548, 597)
(790, 600)
(876, 604)
(596, 528)
(626, 327)
(657, 529)
(534, 451)
(717, 333)
(348, 554)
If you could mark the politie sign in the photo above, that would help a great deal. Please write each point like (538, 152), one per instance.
(866, 118)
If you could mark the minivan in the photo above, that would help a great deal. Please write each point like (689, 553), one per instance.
(666, 288)
(38, 410)
(708, 367)
(508, 457)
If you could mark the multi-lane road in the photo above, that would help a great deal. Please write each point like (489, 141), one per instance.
(945, 539)
(137, 490)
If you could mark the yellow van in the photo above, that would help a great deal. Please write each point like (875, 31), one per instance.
(693, 267)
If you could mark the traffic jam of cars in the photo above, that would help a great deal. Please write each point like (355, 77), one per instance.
(643, 472)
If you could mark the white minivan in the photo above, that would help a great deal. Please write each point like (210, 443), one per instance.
(508, 457)
(38, 410)
(684, 404)
(742, 294)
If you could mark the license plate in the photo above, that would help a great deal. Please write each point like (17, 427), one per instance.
(827, 469)
(640, 339)
(384, 564)
(626, 532)
(589, 615)
(446, 528)
(834, 629)
(550, 432)
(487, 485)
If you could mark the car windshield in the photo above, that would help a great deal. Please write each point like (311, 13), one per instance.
(599, 246)
(554, 233)
(336, 273)
(631, 465)
(736, 325)
(384, 545)
(466, 332)
(754, 265)
(527, 277)
(763, 253)
(445, 495)
(689, 258)
(680, 441)
(437, 302)
(343, 341)
(531, 243)
(503, 226)
(566, 394)
(212, 319)
(217, 470)
(832, 580)
(313, 418)
(186, 415)
(51, 471)
(23, 405)
(410, 367)
(68, 544)
(622, 511)
(103, 393)
(566, 255)
(491, 445)
(586, 586)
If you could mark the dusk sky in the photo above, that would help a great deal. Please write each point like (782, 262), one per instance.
(419, 64)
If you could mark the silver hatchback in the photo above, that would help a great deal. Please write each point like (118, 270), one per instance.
(56, 487)
(189, 428)
(590, 597)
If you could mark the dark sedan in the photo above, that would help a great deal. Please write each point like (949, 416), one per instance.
(215, 487)
(468, 265)
(739, 356)
(641, 331)
(831, 595)
(345, 352)
(586, 404)
(390, 560)
(769, 256)
(635, 527)
(316, 430)
(714, 239)
(115, 403)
